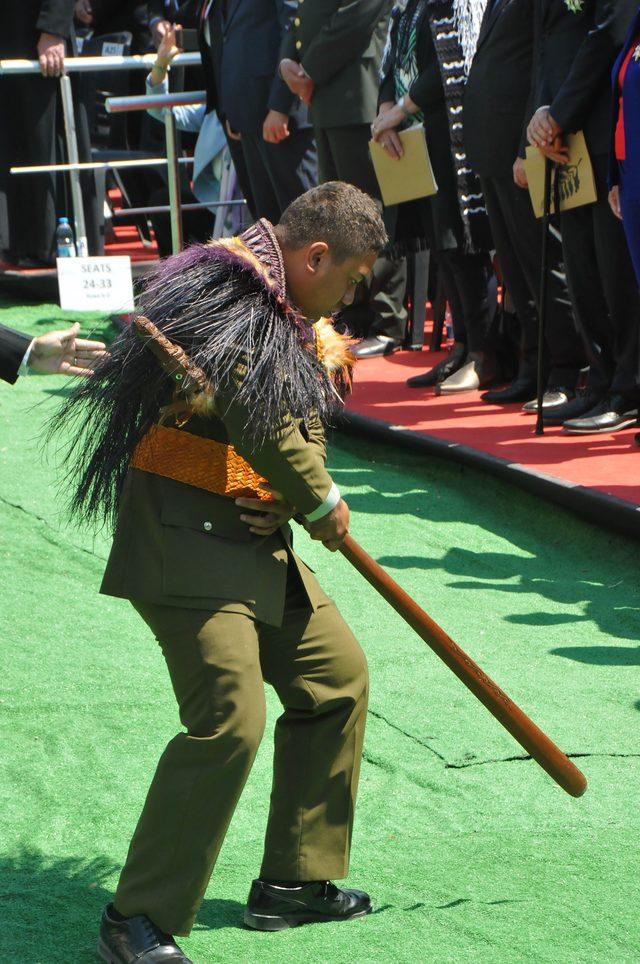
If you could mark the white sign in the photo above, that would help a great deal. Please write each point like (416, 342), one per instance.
(112, 50)
(95, 284)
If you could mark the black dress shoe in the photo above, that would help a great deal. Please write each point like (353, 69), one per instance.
(274, 908)
(374, 346)
(454, 361)
(614, 412)
(519, 391)
(136, 939)
(576, 408)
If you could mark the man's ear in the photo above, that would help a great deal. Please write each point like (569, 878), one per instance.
(317, 253)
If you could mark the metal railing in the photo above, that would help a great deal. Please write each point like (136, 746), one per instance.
(165, 102)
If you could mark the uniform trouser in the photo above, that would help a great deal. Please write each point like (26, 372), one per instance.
(217, 662)
(517, 235)
(378, 305)
(604, 290)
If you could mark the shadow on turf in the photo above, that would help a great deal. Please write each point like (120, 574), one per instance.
(561, 558)
(600, 655)
(50, 908)
(614, 609)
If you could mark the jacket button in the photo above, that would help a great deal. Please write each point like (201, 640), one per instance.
(297, 22)
(298, 45)
(207, 526)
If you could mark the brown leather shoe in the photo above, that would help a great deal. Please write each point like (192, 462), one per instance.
(480, 370)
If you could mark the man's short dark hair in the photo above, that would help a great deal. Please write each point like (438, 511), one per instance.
(341, 215)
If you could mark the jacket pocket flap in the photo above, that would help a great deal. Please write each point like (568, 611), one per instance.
(206, 513)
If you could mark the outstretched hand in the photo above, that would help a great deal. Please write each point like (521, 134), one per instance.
(168, 47)
(62, 352)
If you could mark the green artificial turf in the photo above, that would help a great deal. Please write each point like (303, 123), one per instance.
(469, 850)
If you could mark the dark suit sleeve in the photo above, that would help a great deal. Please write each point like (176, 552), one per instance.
(344, 37)
(56, 17)
(531, 103)
(589, 71)
(280, 97)
(13, 345)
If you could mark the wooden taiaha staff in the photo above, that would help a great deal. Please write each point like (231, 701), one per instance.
(537, 744)
(187, 376)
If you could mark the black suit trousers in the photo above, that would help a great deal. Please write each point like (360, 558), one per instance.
(271, 176)
(604, 291)
(378, 306)
(517, 235)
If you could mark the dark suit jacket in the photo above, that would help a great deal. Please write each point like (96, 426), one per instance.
(187, 13)
(497, 91)
(631, 122)
(25, 20)
(13, 345)
(573, 56)
(340, 46)
(241, 66)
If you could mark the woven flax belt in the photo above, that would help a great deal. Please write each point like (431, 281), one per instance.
(188, 458)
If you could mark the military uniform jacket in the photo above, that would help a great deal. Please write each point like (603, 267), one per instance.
(178, 545)
(340, 46)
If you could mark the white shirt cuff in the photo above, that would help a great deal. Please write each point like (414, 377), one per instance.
(329, 503)
(25, 360)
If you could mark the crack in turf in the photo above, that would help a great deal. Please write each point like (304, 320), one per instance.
(477, 763)
(410, 736)
(59, 541)
(515, 759)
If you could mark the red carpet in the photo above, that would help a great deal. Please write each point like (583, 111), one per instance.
(608, 463)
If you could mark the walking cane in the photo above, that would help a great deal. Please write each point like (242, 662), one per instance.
(537, 744)
(544, 286)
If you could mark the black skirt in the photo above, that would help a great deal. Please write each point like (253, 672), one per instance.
(433, 222)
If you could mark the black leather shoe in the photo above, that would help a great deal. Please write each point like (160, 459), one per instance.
(613, 413)
(136, 939)
(274, 908)
(519, 391)
(374, 346)
(576, 408)
(448, 366)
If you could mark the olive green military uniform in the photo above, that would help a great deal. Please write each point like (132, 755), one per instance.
(229, 610)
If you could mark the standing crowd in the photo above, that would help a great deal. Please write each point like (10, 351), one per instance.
(297, 88)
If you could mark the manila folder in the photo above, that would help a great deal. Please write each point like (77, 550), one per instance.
(408, 177)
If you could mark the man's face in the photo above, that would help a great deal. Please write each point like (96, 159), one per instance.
(319, 286)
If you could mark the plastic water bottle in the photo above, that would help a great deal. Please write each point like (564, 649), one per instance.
(64, 239)
(448, 318)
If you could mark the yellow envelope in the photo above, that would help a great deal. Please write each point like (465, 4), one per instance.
(408, 177)
(576, 183)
